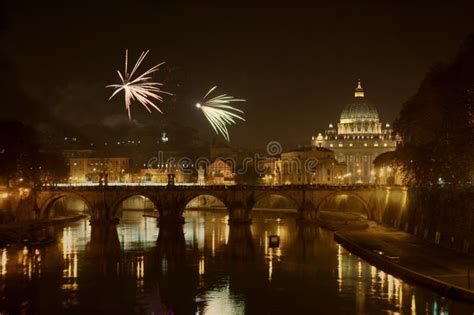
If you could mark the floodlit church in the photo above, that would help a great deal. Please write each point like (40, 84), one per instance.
(358, 139)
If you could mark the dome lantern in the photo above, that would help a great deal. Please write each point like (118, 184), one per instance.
(359, 91)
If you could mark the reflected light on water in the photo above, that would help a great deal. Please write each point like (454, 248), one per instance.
(339, 267)
(140, 270)
(69, 254)
(201, 266)
(382, 286)
(220, 301)
(213, 242)
(132, 234)
(204, 267)
(226, 219)
(389, 287)
(70, 248)
(381, 275)
(4, 261)
(270, 268)
(265, 242)
(164, 265)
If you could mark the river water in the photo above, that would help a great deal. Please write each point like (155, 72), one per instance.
(203, 267)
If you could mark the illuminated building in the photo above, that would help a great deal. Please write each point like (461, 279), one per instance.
(358, 138)
(311, 165)
(3, 182)
(160, 175)
(96, 170)
(220, 173)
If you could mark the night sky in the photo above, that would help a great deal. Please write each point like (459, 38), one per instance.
(296, 67)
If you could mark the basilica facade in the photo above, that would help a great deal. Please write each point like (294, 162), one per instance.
(358, 138)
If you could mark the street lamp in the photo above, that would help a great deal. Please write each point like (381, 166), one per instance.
(359, 172)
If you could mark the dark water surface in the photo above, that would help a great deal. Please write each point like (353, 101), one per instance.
(203, 267)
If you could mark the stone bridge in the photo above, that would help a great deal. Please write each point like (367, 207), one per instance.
(170, 201)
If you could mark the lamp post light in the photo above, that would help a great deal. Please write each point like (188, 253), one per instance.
(382, 178)
(372, 176)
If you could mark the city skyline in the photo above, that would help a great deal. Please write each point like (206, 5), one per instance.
(294, 75)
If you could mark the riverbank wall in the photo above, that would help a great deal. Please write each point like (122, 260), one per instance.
(441, 215)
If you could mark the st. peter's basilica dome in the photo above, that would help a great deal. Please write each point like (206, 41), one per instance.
(359, 110)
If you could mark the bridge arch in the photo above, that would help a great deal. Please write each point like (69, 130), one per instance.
(117, 204)
(195, 197)
(47, 206)
(266, 195)
(332, 197)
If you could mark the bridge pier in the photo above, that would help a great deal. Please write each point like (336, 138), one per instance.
(170, 206)
(102, 221)
(170, 220)
(239, 213)
(308, 213)
(240, 245)
(104, 243)
(171, 245)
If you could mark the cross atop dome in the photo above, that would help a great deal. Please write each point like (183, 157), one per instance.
(359, 91)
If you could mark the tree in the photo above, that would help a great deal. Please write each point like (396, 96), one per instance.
(249, 177)
(52, 167)
(20, 160)
(436, 124)
(18, 152)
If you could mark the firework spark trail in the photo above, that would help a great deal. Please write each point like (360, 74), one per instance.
(141, 88)
(219, 113)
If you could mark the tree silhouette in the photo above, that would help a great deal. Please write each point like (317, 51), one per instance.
(436, 124)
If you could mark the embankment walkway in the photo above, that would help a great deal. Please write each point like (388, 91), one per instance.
(400, 253)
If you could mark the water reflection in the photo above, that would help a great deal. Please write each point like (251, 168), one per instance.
(171, 246)
(104, 247)
(202, 267)
(4, 261)
(240, 244)
(305, 244)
